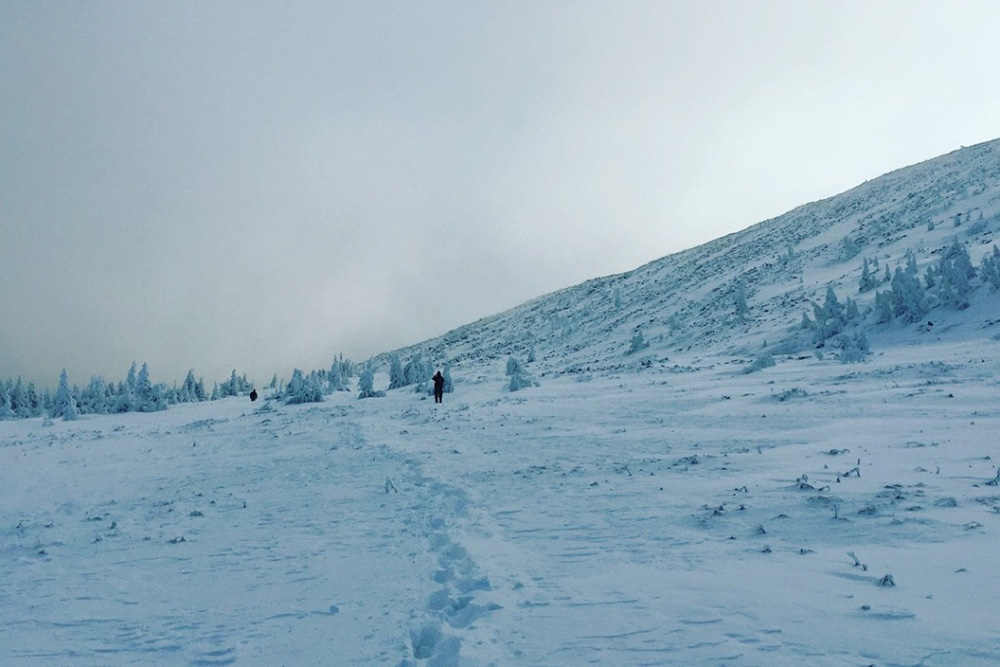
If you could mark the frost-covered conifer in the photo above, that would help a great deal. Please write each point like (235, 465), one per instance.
(192, 390)
(5, 410)
(65, 404)
(143, 390)
(869, 279)
(94, 399)
(417, 371)
(911, 302)
(19, 402)
(396, 378)
(989, 268)
(303, 388)
(955, 271)
(449, 386)
(335, 377)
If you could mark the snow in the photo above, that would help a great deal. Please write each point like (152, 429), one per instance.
(644, 518)
(656, 508)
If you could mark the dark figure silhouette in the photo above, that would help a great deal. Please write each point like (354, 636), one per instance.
(438, 387)
(253, 395)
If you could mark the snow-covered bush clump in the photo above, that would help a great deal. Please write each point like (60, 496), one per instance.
(638, 342)
(519, 377)
(761, 362)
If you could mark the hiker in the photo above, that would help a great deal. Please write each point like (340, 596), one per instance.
(253, 395)
(438, 387)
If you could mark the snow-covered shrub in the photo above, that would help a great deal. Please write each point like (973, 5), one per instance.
(762, 361)
(849, 248)
(853, 349)
(519, 377)
(638, 342)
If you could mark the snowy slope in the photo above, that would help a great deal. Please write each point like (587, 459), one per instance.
(685, 301)
(656, 508)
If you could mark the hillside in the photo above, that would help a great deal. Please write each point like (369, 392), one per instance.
(685, 303)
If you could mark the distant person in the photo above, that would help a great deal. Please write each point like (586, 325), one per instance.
(253, 395)
(438, 387)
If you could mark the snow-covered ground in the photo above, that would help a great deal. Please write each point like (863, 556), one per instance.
(683, 515)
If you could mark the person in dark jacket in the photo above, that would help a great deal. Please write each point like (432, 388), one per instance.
(438, 387)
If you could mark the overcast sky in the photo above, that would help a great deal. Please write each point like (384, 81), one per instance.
(262, 185)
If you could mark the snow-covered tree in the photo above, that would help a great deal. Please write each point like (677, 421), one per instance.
(955, 270)
(908, 297)
(449, 385)
(19, 402)
(304, 388)
(396, 377)
(193, 390)
(869, 279)
(95, 398)
(519, 377)
(335, 378)
(366, 383)
(5, 410)
(989, 268)
(143, 390)
(417, 371)
(124, 400)
(65, 404)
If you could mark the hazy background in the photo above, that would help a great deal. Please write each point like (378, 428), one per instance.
(262, 185)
